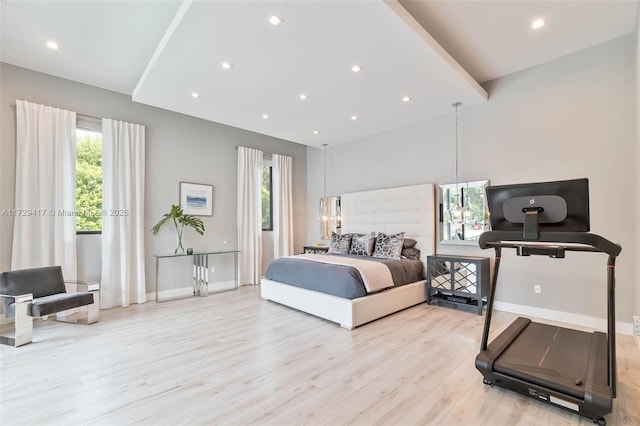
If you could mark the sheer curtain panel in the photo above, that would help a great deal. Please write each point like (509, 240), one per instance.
(249, 215)
(46, 187)
(282, 174)
(123, 265)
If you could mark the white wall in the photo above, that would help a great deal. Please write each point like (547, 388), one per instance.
(568, 118)
(637, 121)
(179, 148)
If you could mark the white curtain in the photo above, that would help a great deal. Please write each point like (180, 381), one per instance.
(249, 215)
(123, 261)
(44, 224)
(282, 175)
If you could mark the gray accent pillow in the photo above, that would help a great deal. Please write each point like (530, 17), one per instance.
(411, 253)
(389, 246)
(340, 243)
(363, 245)
(408, 243)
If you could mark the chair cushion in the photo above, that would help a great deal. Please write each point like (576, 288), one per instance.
(54, 303)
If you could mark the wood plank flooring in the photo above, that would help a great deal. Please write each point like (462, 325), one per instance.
(232, 358)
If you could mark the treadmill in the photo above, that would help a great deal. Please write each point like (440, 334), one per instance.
(570, 369)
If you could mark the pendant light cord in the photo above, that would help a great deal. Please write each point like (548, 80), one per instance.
(456, 105)
(325, 169)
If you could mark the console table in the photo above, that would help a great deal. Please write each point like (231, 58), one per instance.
(200, 273)
(458, 281)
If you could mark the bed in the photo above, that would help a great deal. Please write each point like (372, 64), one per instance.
(408, 209)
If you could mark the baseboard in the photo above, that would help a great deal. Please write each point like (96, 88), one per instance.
(182, 292)
(577, 319)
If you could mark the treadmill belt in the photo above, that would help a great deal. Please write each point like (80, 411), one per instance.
(554, 357)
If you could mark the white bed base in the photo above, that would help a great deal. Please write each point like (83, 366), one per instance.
(408, 209)
(349, 313)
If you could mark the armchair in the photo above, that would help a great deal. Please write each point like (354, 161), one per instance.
(39, 292)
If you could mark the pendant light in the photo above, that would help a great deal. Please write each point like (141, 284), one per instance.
(325, 228)
(460, 212)
(456, 210)
(467, 213)
(468, 216)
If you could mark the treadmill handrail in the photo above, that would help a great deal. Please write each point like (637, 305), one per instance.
(592, 240)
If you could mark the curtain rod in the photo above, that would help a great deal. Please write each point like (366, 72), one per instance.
(265, 153)
(13, 105)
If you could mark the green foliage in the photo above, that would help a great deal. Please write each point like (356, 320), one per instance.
(475, 196)
(179, 220)
(89, 182)
(266, 198)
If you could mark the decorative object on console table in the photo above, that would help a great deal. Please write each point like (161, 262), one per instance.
(458, 281)
(315, 249)
(179, 220)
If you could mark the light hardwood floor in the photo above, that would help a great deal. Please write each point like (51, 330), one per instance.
(232, 358)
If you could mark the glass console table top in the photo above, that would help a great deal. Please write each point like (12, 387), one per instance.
(196, 253)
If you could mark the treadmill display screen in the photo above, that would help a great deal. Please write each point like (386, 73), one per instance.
(561, 206)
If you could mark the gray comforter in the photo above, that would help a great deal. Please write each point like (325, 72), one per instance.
(339, 280)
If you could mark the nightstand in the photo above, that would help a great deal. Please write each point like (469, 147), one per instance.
(458, 281)
(315, 249)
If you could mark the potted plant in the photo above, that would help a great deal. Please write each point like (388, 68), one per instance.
(179, 220)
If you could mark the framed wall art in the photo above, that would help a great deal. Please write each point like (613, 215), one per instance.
(196, 199)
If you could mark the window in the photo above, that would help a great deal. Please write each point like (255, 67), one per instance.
(88, 181)
(267, 200)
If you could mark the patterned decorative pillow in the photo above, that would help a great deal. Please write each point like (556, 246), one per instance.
(363, 245)
(353, 235)
(389, 246)
(340, 243)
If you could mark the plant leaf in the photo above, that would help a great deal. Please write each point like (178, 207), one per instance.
(176, 213)
(194, 222)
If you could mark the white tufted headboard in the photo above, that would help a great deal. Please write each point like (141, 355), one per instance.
(407, 208)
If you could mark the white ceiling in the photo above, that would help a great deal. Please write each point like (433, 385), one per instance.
(159, 52)
(491, 39)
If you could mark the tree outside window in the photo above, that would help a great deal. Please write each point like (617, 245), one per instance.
(267, 201)
(88, 181)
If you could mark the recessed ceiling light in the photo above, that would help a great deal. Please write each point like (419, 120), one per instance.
(226, 65)
(406, 99)
(354, 117)
(275, 20)
(195, 94)
(303, 96)
(538, 23)
(356, 68)
(315, 132)
(265, 116)
(52, 45)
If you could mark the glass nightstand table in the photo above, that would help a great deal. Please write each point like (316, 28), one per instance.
(458, 281)
(315, 249)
